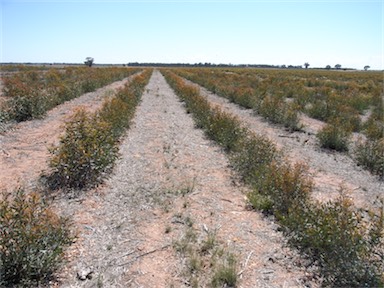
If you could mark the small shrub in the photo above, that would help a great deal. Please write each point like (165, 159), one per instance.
(225, 129)
(345, 243)
(32, 240)
(277, 111)
(253, 157)
(23, 108)
(260, 201)
(226, 273)
(334, 136)
(318, 109)
(374, 128)
(370, 155)
(85, 152)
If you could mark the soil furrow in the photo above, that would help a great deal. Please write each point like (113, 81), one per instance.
(169, 179)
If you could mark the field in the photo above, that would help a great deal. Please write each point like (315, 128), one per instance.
(202, 177)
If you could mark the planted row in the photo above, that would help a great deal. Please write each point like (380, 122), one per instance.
(321, 95)
(336, 98)
(344, 242)
(30, 94)
(89, 147)
(32, 236)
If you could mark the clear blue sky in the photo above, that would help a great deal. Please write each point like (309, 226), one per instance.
(321, 33)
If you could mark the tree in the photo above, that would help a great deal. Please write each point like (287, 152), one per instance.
(337, 66)
(89, 61)
(306, 64)
(366, 67)
(328, 67)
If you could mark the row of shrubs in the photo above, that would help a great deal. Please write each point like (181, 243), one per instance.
(31, 93)
(279, 96)
(324, 95)
(32, 236)
(344, 242)
(89, 147)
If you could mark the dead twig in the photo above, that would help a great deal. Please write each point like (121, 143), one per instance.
(144, 254)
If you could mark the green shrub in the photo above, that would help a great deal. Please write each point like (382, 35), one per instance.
(345, 243)
(318, 109)
(85, 152)
(117, 113)
(23, 108)
(334, 136)
(277, 111)
(32, 240)
(225, 129)
(370, 155)
(374, 128)
(32, 93)
(253, 157)
(226, 273)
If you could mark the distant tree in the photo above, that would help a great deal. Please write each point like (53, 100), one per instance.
(328, 67)
(337, 66)
(306, 64)
(89, 61)
(366, 67)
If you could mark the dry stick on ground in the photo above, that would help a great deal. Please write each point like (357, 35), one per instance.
(144, 254)
(245, 264)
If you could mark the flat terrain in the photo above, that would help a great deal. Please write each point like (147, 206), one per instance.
(170, 180)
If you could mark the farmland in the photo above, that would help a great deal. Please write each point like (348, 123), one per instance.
(203, 177)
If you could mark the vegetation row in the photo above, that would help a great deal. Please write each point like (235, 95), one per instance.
(340, 99)
(89, 147)
(30, 94)
(344, 242)
(32, 236)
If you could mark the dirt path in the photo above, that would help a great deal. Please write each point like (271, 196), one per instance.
(330, 170)
(24, 148)
(170, 180)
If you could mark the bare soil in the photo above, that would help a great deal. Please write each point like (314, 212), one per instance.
(170, 178)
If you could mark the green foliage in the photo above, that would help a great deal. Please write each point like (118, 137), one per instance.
(374, 127)
(253, 157)
(276, 110)
(370, 155)
(287, 186)
(85, 152)
(226, 274)
(32, 93)
(225, 129)
(334, 136)
(23, 108)
(345, 243)
(32, 240)
(88, 149)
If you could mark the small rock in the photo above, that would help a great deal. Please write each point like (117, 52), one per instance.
(85, 274)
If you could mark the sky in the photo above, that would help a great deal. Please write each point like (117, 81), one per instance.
(349, 33)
